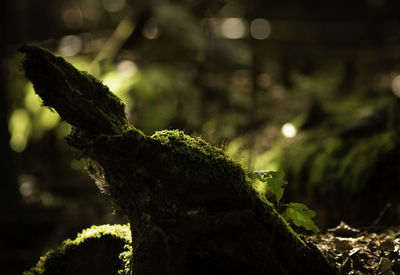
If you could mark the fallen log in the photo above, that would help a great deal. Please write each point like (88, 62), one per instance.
(192, 209)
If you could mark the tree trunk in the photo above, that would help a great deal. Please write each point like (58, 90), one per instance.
(192, 209)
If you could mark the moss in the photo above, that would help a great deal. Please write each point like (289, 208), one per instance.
(93, 109)
(78, 97)
(213, 162)
(182, 143)
(196, 158)
(134, 133)
(126, 258)
(143, 174)
(95, 250)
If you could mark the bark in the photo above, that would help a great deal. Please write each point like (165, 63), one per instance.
(192, 209)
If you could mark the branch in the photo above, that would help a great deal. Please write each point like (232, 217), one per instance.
(78, 97)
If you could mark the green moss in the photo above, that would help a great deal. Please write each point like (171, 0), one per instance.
(126, 258)
(182, 143)
(78, 97)
(95, 250)
(214, 163)
(103, 133)
(189, 148)
(133, 133)
(196, 158)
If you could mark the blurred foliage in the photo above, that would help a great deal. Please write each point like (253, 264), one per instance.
(225, 73)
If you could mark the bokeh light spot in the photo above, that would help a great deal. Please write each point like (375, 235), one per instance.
(46, 198)
(19, 127)
(91, 10)
(233, 28)
(48, 119)
(127, 68)
(260, 29)
(73, 18)
(26, 189)
(288, 130)
(70, 45)
(113, 5)
(151, 30)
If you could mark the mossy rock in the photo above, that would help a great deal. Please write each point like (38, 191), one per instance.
(97, 250)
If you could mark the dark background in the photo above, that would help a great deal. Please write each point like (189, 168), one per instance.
(233, 72)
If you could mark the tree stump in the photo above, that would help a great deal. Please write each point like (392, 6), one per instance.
(192, 209)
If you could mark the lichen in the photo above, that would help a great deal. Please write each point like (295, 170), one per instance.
(94, 250)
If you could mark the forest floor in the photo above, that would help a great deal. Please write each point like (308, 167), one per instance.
(361, 251)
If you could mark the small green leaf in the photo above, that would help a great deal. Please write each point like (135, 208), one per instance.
(275, 182)
(301, 215)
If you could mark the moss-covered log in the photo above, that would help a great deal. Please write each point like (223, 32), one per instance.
(192, 209)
